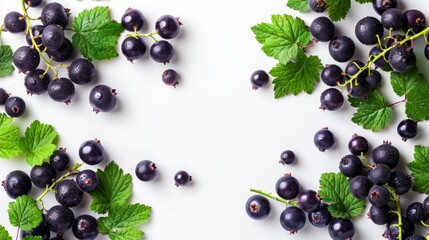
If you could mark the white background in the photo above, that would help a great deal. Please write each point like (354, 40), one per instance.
(227, 136)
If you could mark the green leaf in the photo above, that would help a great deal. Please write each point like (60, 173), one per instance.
(284, 38)
(374, 112)
(30, 237)
(299, 5)
(6, 66)
(364, 1)
(419, 168)
(24, 213)
(96, 34)
(415, 88)
(37, 143)
(335, 189)
(114, 187)
(122, 221)
(338, 9)
(4, 234)
(9, 138)
(296, 77)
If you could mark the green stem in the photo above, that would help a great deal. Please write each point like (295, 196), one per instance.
(136, 34)
(269, 195)
(424, 224)
(1, 30)
(396, 199)
(373, 59)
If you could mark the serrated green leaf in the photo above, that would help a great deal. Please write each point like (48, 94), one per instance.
(419, 168)
(9, 138)
(37, 142)
(373, 112)
(6, 66)
(96, 34)
(24, 213)
(284, 38)
(30, 237)
(299, 5)
(123, 219)
(296, 77)
(4, 234)
(114, 187)
(364, 1)
(415, 88)
(338, 9)
(335, 190)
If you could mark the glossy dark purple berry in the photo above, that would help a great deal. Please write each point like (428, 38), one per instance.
(426, 51)
(320, 217)
(407, 228)
(407, 129)
(36, 82)
(52, 37)
(17, 183)
(62, 54)
(387, 154)
(61, 90)
(378, 196)
(55, 13)
(393, 19)
(372, 80)
(15, 106)
(60, 159)
(26, 58)
(133, 48)
(402, 59)
(400, 182)
(170, 77)
(332, 75)
(287, 187)
(67, 193)
(287, 157)
(87, 180)
(317, 5)
(81, 71)
(59, 218)
(415, 237)
(161, 51)
(341, 48)
(292, 219)
(146, 170)
(379, 174)
(360, 186)
(102, 98)
(42, 230)
(167, 26)
(91, 152)
(426, 203)
(382, 5)
(415, 20)
(14, 22)
(368, 29)
(259, 78)
(324, 139)
(42, 176)
(322, 29)
(379, 215)
(341, 229)
(33, 3)
(3, 96)
(380, 62)
(308, 200)
(416, 213)
(331, 99)
(85, 227)
(358, 145)
(132, 20)
(258, 207)
(351, 166)
(182, 178)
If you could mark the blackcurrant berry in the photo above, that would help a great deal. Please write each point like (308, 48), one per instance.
(132, 20)
(308, 200)
(378, 196)
(341, 229)
(146, 170)
(258, 207)
(87, 180)
(360, 186)
(324, 139)
(287, 157)
(61, 90)
(14, 22)
(26, 58)
(15, 106)
(36, 82)
(259, 78)
(402, 59)
(341, 48)
(60, 159)
(52, 37)
(332, 75)
(102, 98)
(67, 193)
(17, 183)
(292, 219)
(170, 77)
(182, 178)
(351, 166)
(379, 215)
(382, 5)
(322, 29)
(3, 96)
(133, 48)
(407, 129)
(387, 154)
(55, 13)
(85, 227)
(331, 99)
(59, 218)
(167, 26)
(320, 217)
(42, 176)
(162, 51)
(358, 145)
(317, 5)
(81, 71)
(415, 20)
(287, 187)
(91, 152)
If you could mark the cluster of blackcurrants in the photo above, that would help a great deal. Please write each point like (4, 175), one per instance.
(146, 171)
(134, 47)
(69, 191)
(49, 39)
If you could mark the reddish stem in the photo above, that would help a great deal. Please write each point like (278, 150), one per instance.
(402, 101)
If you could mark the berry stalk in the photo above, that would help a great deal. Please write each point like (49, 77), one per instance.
(374, 58)
(269, 195)
(396, 199)
(1, 30)
(136, 34)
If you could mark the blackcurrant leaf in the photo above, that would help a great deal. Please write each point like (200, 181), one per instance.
(9, 138)
(37, 143)
(338, 9)
(373, 112)
(96, 34)
(24, 213)
(299, 5)
(6, 66)
(297, 76)
(123, 219)
(284, 38)
(335, 190)
(4, 234)
(114, 187)
(415, 88)
(364, 1)
(419, 168)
